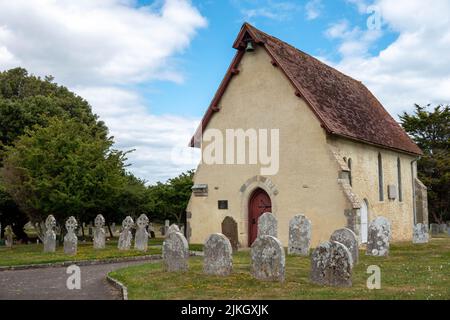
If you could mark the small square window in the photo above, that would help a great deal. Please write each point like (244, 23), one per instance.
(223, 204)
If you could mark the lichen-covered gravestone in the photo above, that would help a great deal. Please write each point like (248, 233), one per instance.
(172, 228)
(230, 230)
(70, 239)
(379, 234)
(267, 225)
(218, 255)
(443, 228)
(175, 252)
(126, 236)
(299, 235)
(9, 236)
(268, 259)
(331, 265)
(50, 235)
(99, 232)
(348, 238)
(420, 233)
(141, 237)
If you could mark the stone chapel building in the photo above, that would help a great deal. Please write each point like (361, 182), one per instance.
(343, 160)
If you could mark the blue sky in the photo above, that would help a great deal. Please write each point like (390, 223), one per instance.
(206, 60)
(150, 68)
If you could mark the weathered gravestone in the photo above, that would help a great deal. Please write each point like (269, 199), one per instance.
(443, 228)
(50, 235)
(166, 227)
(299, 235)
(434, 228)
(141, 237)
(420, 233)
(332, 265)
(99, 232)
(175, 252)
(218, 255)
(268, 259)
(267, 225)
(151, 230)
(348, 238)
(90, 231)
(126, 236)
(230, 230)
(113, 228)
(172, 228)
(379, 234)
(9, 236)
(70, 239)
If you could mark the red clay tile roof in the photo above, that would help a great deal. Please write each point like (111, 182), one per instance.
(344, 105)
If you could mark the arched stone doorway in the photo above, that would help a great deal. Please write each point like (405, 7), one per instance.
(259, 203)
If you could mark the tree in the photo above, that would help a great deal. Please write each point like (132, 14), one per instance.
(169, 200)
(431, 131)
(65, 168)
(26, 101)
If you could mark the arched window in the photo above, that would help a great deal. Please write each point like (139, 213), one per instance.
(380, 178)
(399, 177)
(350, 171)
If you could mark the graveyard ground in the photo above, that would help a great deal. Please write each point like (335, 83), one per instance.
(25, 254)
(410, 272)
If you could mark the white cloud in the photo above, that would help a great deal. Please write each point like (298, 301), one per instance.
(160, 141)
(313, 9)
(415, 67)
(270, 9)
(97, 41)
(98, 47)
(355, 43)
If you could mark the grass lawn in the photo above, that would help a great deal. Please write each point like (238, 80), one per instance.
(24, 254)
(410, 272)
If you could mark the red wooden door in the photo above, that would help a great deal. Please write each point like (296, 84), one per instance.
(259, 203)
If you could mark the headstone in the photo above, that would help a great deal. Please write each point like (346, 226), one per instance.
(113, 228)
(379, 233)
(166, 227)
(230, 230)
(99, 232)
(348, 238)
(443, 228)
(70, 239)
(50, 235)
(151, 230)
(268, 259)
(90, 231)
(172, 228)
(141, 236)
(267, 225)
(299, 235)
(434, 228)
(420, 233)
(332, 265)
(9, 236)
(126, 236)
(218, 255)
(175, 252)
